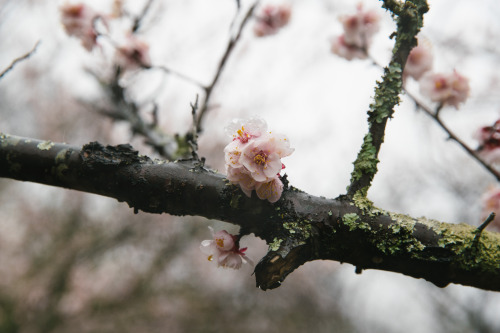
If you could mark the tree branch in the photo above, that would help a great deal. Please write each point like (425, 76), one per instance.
(409, 21)
(298, 228)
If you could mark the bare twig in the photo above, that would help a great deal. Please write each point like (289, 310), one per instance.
(129, 111)
(193, 142)
(483, 225)
(21, 58)
(451, 135)
(435, 115)
(230, 47)
(179, 75)
(138, 19)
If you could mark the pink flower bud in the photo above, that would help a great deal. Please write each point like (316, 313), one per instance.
(78, 21)
(346, 51)
(489, 142)
(419, 61)
(271, 19)
(450, 89)
(491, 203)
(133, 54)
(360, 27)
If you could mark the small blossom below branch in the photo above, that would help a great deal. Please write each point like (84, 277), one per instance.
(223, 249)
(253, 158)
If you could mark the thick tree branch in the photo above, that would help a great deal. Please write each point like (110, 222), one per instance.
(409, 21)
(298, 228)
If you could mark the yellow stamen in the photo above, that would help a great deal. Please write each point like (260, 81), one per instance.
(259, 159)
(219, 242)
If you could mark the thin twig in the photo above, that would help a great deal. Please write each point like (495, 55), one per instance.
(179, 75)
(21, 58)
(193, 142)
(483, 225)
(138, 19)
(230, 47)
(453, 136)
(435, 115)
(129, 111)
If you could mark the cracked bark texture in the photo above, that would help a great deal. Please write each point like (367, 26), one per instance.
(298, 228)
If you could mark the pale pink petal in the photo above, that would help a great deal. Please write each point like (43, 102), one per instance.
(231, 260)
(271, 190)
(419, 61)
(245, 129)
(133, 54)
(271, 19)
(232, 153)
(223, 240)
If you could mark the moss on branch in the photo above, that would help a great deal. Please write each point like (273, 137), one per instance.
(409, 19)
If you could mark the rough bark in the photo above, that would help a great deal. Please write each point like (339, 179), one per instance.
(298, 228)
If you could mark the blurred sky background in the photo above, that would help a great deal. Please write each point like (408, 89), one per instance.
(292, 80)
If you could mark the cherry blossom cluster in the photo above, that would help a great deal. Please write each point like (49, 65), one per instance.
(253, 158)
(271, 19)
(489, 142)
(359, 29)
(491, 203)
(79, 20)
(224, 250)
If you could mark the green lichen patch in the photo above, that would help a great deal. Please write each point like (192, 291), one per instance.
(353, 222)
(46, 145)
(366, 162)
(483, 252)
(275, 245)
(398, 238)
(301, 229)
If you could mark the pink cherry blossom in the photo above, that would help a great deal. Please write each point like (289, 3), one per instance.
(223, 250)
(78, 21)
(460, 89)
(360, 27)
(270, 190)
(253, 158)
(271, 19)
(419, 61)
(242, 177)
(489, 142)
(491, 203)
(262, 156)
(246, 129)
(133, 54)
(346, 51)
(450, 89)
